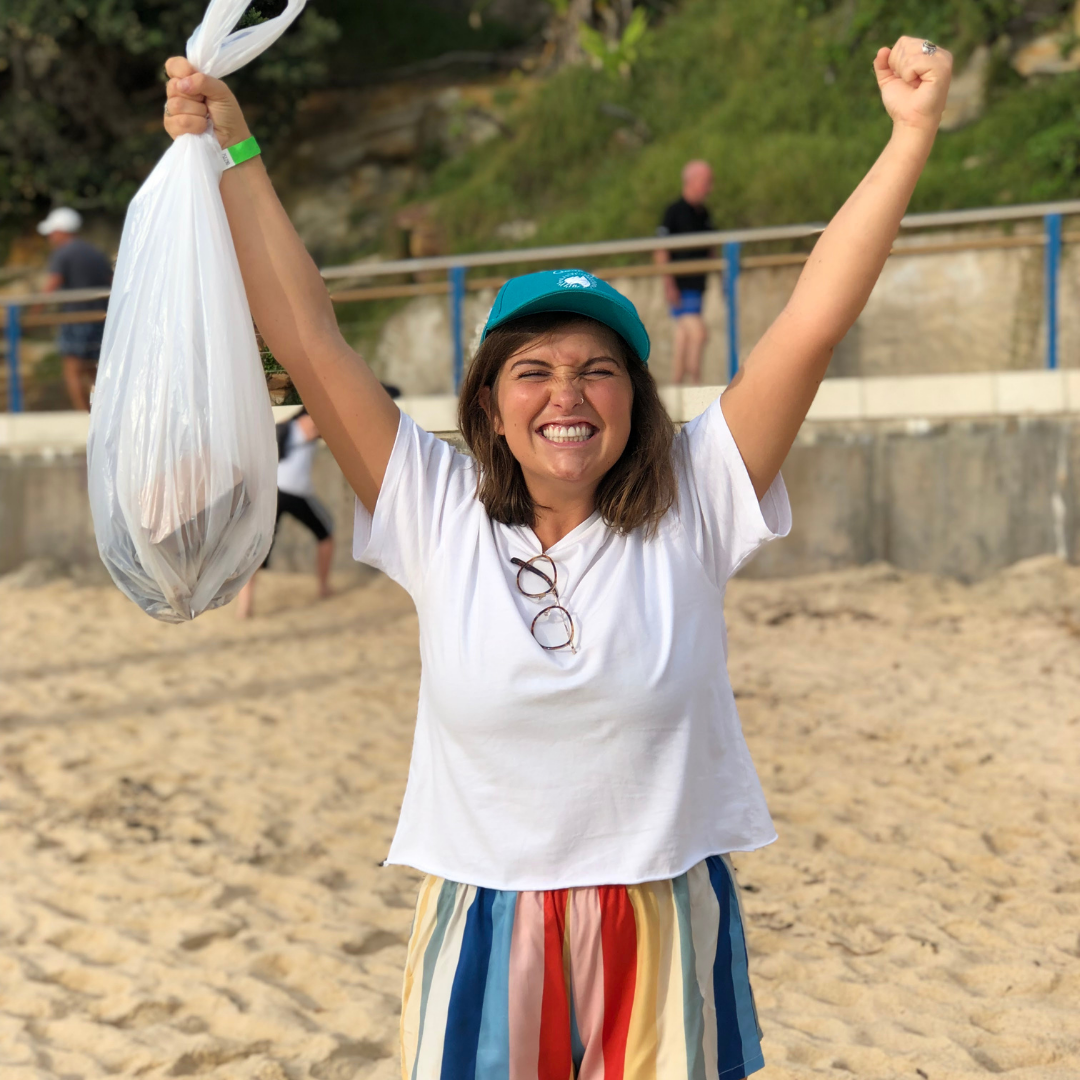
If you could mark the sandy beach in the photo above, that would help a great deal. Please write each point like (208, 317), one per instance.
(192, 820)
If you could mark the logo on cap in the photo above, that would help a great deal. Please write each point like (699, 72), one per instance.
(576, 281)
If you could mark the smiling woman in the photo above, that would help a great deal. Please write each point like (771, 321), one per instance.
(579, 771)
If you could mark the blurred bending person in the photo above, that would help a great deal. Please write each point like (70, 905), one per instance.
(298, 440)
(685, 292)
(76, 264)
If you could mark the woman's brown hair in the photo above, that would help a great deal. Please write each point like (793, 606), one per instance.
(635, 492)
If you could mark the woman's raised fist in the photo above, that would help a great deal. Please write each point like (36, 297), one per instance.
(914, 82)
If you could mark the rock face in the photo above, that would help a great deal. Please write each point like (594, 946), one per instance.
(1047, 55)
(414, 349)
(967, 94)
(1052, 54)
(365, 151)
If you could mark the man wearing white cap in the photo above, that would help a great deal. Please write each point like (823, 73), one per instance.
(76, 264)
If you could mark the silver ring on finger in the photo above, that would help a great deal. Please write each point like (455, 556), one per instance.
(929, 48)
(167, 113)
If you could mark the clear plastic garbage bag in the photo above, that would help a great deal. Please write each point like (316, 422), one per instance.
(181, 456)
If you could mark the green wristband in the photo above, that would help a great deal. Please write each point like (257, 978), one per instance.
(240, 152)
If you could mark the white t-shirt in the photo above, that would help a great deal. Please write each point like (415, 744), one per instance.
(620, 763)
(294, 469)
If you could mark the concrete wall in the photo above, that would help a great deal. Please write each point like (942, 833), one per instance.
(45, 513)
(44, 510)
(948, 312)
(953, 474)
(958, 497)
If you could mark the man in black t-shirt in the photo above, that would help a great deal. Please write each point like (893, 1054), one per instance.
(75, 264)
(684, 292)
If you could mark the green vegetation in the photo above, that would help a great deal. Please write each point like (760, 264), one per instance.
(81, 83)
(616, 57)
(381, 34)
(81, 87)
(272, 368)
(780, 96)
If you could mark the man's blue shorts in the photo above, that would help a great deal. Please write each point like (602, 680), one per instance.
(689, 303)
(82, 340)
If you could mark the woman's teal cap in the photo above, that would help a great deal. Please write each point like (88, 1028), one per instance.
(574, 291)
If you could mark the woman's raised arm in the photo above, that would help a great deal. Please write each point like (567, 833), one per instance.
(769, 398)
(288, 297)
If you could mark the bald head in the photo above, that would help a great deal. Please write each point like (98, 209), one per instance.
(697, 181)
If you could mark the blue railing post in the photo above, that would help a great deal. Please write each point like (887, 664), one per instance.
(457, 322)
(732, 257)
(1052, 225)
(14, 336)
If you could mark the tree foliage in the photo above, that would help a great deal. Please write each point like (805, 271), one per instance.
(619, 55)
(81, 92)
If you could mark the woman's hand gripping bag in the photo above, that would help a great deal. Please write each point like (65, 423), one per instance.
(181, 454)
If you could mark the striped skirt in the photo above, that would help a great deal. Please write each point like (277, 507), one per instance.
(638, 982)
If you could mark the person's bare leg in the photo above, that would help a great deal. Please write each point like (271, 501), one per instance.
(696, 336)
(678, 358)
(245, 599)
(74, 380)
(324, 556)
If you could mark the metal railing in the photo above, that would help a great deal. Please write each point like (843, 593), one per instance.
(730, 264)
